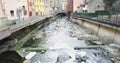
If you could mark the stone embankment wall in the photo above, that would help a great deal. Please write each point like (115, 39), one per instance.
(107, 33)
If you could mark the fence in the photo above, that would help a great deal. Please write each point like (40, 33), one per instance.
(96, 16)
(91, 15)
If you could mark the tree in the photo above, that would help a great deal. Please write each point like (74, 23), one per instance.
(109, 5)
(116, 6)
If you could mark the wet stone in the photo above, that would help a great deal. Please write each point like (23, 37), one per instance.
(61, 37)
(63, 58)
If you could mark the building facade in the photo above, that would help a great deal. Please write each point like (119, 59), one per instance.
(76, 5)
(70, 6)
(60, 4)
(47, 7)
(31, 11)
(39, 6)
(2, 12)
(92, 5)
(2, 9)
(85, 5)
(16, 9)
(42, 7)
(54, 6)
(73, 5)
(64, 4)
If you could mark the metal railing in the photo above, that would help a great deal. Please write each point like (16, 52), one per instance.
(104, 21)
(7, 30)
(5, 23)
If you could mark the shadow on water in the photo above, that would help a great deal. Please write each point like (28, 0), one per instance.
(10, 57)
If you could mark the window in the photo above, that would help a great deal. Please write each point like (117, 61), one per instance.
(25, 12)
(85, 11)
(12, 12)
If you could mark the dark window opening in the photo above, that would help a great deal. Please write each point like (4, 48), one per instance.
(84, 11)
(12, 12)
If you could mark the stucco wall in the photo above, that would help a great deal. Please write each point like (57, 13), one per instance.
(93, 5)
(1, 13)
(107, 34)
(13, 5)
(2, 7)
(91, 26)
(77, 3)
(117, 37)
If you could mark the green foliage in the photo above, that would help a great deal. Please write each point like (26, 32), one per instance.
(116, 6)
(109, 5)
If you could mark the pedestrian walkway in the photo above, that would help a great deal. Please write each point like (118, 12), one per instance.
(6, 30)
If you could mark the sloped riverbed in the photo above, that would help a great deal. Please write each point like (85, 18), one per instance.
(60, 37)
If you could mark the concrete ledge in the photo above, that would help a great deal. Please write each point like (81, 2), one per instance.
(5, 33)
(13, 28)
(109, 34)
(96, 22)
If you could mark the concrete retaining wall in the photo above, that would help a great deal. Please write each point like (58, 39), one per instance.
(106, 33)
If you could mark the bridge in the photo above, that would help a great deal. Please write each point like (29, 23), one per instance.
(61, 12)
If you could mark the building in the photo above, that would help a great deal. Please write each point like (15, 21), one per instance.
(51, 6)
(70, 6)
(56, 4)
(2, 9)
(40, 6)
(76, 4)
(85, 5)
(31, 11)
(23, 7)
(91, 6)
(60, 4)
(47, 7)
(2, 12)
(73, 5)
(64, 4)
(16, 9)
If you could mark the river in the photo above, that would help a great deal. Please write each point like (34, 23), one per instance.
(61, 37)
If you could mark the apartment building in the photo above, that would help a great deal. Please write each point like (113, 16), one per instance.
(92, 5)
(31, 11)
(64, 4)
(16, 9)
(73, 5)
(39, 6)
